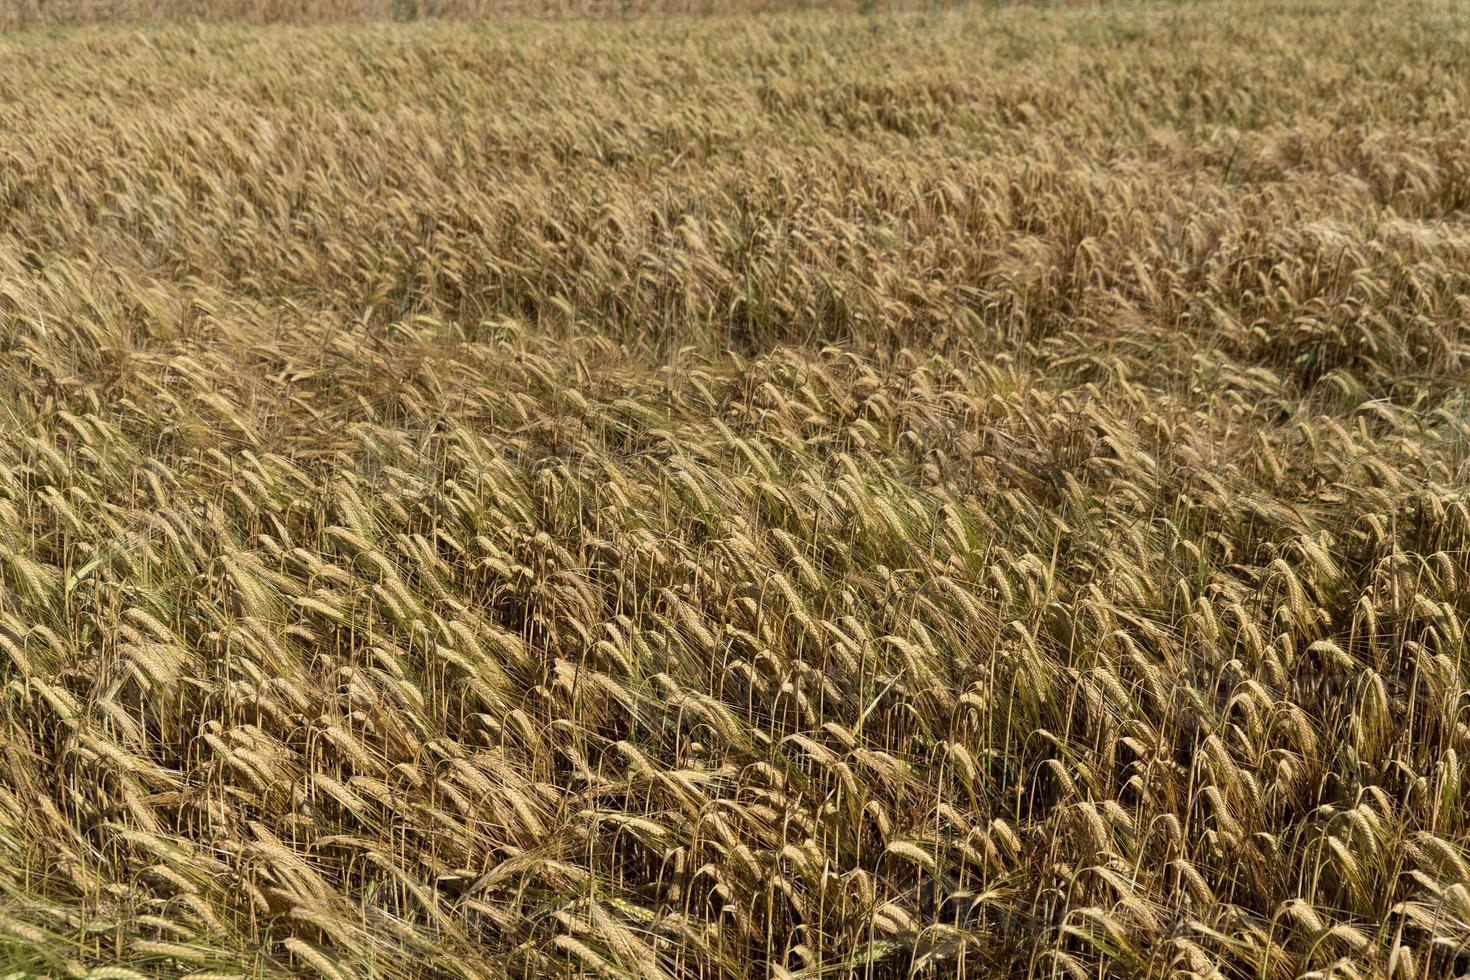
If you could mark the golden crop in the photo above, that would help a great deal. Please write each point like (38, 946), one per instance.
(976, 493)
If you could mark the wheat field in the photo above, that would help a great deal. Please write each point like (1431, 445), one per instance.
(967, 493)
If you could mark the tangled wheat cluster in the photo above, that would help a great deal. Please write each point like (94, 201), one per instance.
(978, 494)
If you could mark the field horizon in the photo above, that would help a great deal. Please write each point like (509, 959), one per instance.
(960, 493)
